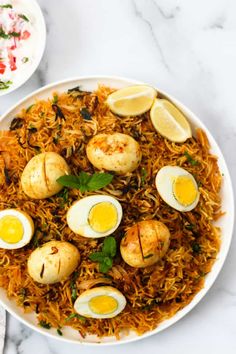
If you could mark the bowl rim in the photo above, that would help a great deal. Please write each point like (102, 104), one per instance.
(213, 274)
(38, 58)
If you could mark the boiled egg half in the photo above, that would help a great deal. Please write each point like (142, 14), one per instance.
(177, 187)
(95, 216)
(16, 229)
(100, 302)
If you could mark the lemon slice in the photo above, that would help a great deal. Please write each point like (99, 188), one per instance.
(169, 121)
(132, 100)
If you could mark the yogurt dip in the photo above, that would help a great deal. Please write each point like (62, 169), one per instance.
(19, 38)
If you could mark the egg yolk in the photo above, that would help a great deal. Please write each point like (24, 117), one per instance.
(184, 190)
(103, 217)
(103, 304)
(11, 229)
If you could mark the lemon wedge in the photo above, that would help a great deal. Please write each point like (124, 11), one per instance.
(132, 100)
(169, 121)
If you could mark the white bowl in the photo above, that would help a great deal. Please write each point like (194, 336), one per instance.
(34, 13)
(225, 222)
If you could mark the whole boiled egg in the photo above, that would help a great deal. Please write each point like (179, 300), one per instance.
(114, 152)
(53, 262)
(177, 187)
(39, 178)
(94, 216)
(100, 302)
(16, 229)
(145, 243)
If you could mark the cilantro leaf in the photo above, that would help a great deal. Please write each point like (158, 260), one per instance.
(190, 159)
(85, 182)
(7, 6)
(25, 18)
(5, 84)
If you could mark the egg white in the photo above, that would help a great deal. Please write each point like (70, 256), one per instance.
(78, 214)
(81, 305)
(28, 227)
(164, 183)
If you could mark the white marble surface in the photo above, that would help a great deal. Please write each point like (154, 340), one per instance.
(187, 48)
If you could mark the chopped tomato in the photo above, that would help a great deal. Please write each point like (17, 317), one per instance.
(12, 61)
(25, 35)
(2, 68)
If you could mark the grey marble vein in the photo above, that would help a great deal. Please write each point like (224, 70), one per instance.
(140, 15)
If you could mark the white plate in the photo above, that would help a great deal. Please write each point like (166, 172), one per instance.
(226, 222)
(34, 13)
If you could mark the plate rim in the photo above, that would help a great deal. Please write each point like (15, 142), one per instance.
(199, 296)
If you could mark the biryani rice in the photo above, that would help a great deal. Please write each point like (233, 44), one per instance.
(154, 293)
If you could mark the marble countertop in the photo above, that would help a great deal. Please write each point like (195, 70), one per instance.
(187, 48)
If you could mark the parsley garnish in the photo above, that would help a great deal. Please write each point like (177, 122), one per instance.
(14, 34)
(4, 84)
(25, 60)
(190, 159)
(24, 17)
(105, 257)
(85, 182)
(7, 6)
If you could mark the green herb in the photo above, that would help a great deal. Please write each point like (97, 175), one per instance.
(73, 286)
(222, 174)
(148, 256)
(85, 182)
(25, 60)
(59, 332)
(190, 159)
(45, 324)
(196, 247)
(64, 194)
(75, 315)
(22, 294)
(85, 114)
(143, 175)
(7, 6)
(105, 257)
(55, 99)
(190, 227)
(3, 34)
(29, 108)
(24, 17)
(5, 84)
(14, 34)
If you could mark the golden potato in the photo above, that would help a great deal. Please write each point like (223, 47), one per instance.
(114, 152)
(53, 262)
(145, 243)
(39, 178)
